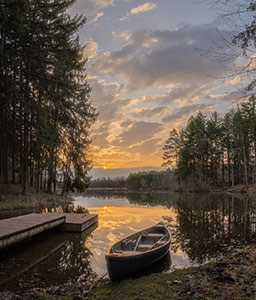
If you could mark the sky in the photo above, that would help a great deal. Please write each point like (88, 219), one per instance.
(149, 69)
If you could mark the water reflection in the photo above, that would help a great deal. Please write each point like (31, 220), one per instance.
(168, 200)
(211, 226)
(117, 222)
(203, 227)
(51, 258)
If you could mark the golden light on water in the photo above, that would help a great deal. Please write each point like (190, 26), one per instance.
(115, 223)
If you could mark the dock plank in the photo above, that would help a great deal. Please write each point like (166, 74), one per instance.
(78, 222)
(14, 230)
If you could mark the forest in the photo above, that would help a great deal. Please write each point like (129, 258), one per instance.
(151, 180)
(143, 181)
(113, 183)
(216, 150)
(45, 108)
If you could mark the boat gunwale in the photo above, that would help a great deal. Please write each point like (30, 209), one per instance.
(136, 253)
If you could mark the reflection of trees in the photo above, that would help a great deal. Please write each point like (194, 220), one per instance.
(153, 199)
(48, 259)
(211, 225)
(105, 194)
(71, 262)
(140, 198)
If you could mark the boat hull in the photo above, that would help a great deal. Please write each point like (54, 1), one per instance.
(120, 267)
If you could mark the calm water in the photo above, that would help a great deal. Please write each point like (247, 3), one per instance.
(203, 227)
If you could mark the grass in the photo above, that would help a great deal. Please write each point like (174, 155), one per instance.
(208, 282)
(153, 287)
(41, 296)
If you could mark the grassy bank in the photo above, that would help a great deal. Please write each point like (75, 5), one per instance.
(11, 198)
(232, 277)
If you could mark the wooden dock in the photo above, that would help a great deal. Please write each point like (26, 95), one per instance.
(79, 222)
(17, 229)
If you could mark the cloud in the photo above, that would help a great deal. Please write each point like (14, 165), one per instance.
(180, 93)
(148, 148)
(124, 35)
(99, 135)
(236, 81)
(106, 96)
(143, 8)
(91, 49)
(149, 112)
(140, 9)
(186, 112)
(163, 58)
(126, 123)
(90, 7)
(138, 132)
(97, 17)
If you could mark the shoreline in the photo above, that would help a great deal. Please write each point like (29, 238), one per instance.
(239, 189)
(231, 277)
(11, 199)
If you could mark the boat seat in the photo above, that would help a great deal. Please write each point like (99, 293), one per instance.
(145, 245)
(155, 234)
(150, 245)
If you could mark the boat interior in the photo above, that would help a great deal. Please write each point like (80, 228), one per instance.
(142, 241)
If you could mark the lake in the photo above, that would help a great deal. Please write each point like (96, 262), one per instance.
(203, 227)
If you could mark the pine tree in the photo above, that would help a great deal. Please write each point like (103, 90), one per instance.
(44, 95)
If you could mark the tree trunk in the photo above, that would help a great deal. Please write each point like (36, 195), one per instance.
(64, 188)
(38, 182)
(25, 157)
(50, 178)
(229, 173)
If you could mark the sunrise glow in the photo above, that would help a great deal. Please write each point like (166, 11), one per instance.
(147, 76)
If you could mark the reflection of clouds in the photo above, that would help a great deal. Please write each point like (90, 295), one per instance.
(115, 223)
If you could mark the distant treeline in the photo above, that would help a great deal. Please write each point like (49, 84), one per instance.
(151, 180)
(45, 112)
(215, 150)
(148, 180)
(117, 182)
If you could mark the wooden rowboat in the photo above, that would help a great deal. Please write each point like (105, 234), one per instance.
(137, 251)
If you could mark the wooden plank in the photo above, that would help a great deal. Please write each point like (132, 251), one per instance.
(79, 222)
(14, 230)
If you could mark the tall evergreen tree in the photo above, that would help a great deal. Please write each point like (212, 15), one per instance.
(214, 150)
(44, 94)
